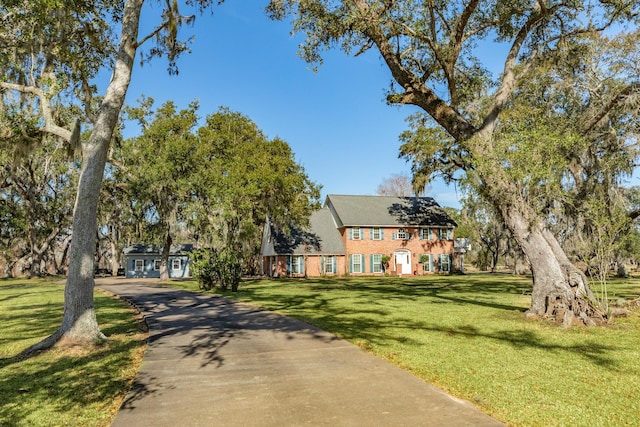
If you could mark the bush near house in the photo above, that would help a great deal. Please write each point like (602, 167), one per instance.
(211, 267)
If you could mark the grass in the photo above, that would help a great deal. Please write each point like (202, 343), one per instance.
(468, 336)
(64, 386)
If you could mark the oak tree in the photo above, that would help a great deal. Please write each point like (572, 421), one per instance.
(439, 54)
(53, 47)
(243, 178)
(159, 171)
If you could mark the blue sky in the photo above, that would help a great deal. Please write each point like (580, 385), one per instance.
(336, 120)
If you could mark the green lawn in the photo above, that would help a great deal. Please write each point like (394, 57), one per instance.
(467, 335)
(62, 387)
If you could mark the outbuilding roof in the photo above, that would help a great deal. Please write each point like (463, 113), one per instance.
(141, 249)
(387, 211)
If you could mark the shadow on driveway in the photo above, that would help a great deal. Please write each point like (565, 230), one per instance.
(213, 361)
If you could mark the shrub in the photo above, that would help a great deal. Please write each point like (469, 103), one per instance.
(211, 267)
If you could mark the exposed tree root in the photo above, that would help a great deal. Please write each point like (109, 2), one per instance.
(41, 346)
(57, 338)
(577, 312)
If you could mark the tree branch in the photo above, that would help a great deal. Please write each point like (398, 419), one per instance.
(416, 93)
(49, 125)
(627, 91)
(153, 34)
(509, 78)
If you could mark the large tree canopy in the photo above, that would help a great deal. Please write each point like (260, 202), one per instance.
(243, 178)
(52, 48)
(216, 184)
(440, 54)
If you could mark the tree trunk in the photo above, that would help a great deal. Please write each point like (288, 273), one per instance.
(560, 291)
(166, 251)
(79, 322)
(62, 267)
(115, 257)
(621, 271)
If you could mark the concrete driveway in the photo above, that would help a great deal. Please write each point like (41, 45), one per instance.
(214, 362)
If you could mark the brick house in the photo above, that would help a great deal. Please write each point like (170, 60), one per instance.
(355, 234)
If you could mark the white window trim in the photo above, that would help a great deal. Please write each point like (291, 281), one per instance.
(426, 233)
(441, 263)
(173, 264)
(373, 233)
(296, 264)
(403, 234)
(328, 264)
(156, 264)
(358, 231)
(359, 257)
(429, 265)
(138, 265)
(376, 267)
(445, 233)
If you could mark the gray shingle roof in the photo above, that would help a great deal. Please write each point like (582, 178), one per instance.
(322, 237)
(387, 211)
(140, 249)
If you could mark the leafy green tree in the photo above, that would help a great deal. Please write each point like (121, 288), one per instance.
(36, 191)
(159, 170)
(52, 49)
(461, 217)
(491, 236)
(434, 53)
(631, 247)
(241, 179)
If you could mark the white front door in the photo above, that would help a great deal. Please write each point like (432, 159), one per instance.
(403, 258)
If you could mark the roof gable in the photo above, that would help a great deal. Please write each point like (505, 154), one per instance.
(387, 211)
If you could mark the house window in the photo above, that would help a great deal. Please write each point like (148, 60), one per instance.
(329, 264)
(444, 263)
(427, 262)
(357, 263)
(376, 263)
(296, 264)
(403, 235)
(156, 264)
(356, 233)
(176, 264)
(426, 234)
(377, 233)
(445, 233)
(139, 265)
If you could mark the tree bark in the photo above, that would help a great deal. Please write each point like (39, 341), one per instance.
(560, 291)
(115, 256)
(79, 322)
(166, 251)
